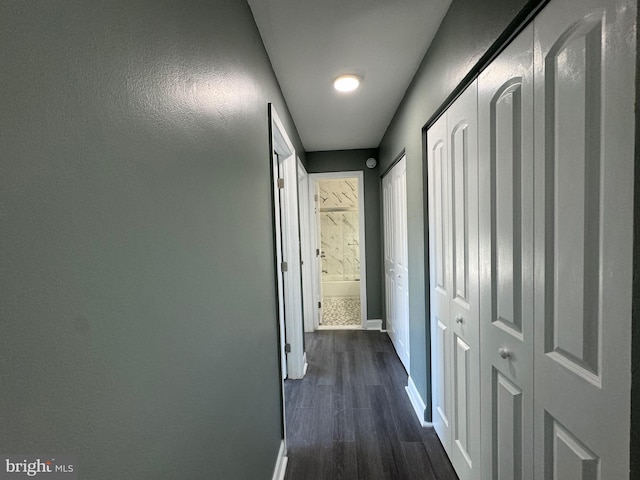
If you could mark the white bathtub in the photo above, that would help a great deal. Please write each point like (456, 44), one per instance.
(341, 288)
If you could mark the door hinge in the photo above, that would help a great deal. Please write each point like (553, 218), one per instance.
(319, 304)
(287, 348)
(284, 267)
(315, 197)
(317, 252)
(281, 183)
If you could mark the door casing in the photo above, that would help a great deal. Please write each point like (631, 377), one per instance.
(284, 164)
(315, 235)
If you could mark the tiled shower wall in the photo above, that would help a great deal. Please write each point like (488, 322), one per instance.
(339, 232)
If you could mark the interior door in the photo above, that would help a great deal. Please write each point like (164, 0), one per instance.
(319, 254)
(280, 225)
(584, 151)
(394, 187)
(462, 121)
(439, 279)
(505, 143)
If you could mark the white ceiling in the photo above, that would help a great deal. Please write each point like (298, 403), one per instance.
(310, 42)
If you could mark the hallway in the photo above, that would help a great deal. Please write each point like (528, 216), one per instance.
(350, 417)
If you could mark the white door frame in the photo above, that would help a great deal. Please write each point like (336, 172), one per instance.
(287, 249)
(315, 235)
(306, 247)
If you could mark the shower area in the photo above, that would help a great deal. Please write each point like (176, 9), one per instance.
(340, 252)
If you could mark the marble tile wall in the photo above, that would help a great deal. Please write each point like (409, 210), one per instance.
(339, 232)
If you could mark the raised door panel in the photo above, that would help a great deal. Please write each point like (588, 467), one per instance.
(463, 183)
(506, 427)
(463, 400)
(505, 109)
(584, 80)
(566, 457)
(439, 279)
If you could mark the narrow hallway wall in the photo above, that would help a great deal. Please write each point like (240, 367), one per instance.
(137, 313)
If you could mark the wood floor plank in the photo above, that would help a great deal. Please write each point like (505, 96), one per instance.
(418, 461)
(367, 448)
(299, 428)
(343, 421)
(393, 460)
(345, 466)
(340, 343)
(350, 417)
(437, 455)
(322, 466)
(306, 393)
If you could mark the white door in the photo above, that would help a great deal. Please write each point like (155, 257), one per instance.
(439, 279)
(317, 256)
(584, 158)
(307, 251)
(462, 122)
(453, 241)
(394, 188)
(505, 149)
(279, 228)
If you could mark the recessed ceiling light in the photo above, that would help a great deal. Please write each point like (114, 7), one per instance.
(346, 83)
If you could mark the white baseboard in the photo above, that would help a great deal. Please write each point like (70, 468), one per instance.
(417, 402)
(373, 325)
(339, 327)
(281, 463)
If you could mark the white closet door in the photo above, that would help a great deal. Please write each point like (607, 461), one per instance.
(584, 146)
(505, 142)
(396, 269)
(440, 279)
(389, 251)
(462, 122)
(453, 257)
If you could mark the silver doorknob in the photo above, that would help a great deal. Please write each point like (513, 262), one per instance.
(504, 353)
(459, 319)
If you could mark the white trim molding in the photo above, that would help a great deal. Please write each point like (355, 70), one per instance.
(417, 402)
(286, 225)
(281, 463)
(306, 364)
(374, 325)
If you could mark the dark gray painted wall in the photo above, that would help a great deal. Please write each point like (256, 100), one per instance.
(353, 160)
(467, 31)
(635, 312)
(138, 321)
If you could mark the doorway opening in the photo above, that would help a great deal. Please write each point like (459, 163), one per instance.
(287, 243)
(340, 267)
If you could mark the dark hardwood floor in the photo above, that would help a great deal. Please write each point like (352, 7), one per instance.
(350, 417)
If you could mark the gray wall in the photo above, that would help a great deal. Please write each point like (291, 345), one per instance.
(138, 321)
(635, 322)
(468, 29)
(353, 160)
